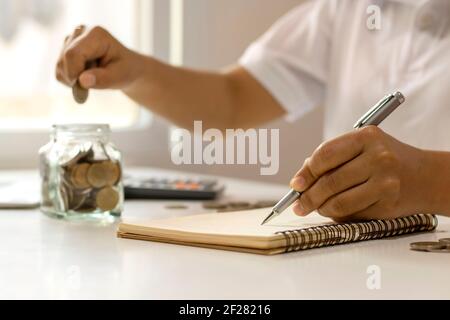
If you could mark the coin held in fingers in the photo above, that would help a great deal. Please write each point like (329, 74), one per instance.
(80, 94)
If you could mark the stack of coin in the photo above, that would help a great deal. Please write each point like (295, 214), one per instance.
(237, 206)
(441, 246)
(88, 185)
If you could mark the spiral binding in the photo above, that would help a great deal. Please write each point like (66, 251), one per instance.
(335, 234)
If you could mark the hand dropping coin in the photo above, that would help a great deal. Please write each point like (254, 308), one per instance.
(81, 94)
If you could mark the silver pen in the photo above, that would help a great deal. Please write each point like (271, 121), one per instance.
(373, 117)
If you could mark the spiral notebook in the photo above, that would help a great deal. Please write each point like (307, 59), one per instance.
(242, 231)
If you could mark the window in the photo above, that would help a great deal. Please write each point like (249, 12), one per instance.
(31, 36)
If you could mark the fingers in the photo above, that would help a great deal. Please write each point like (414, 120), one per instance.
(97, 78)
(351, 201)
(335, 153)
(88, 79)
(78, 32)
(351, 174)
(81, 47)
(371, 200)
(327, 157)
(75, 34)
(111, 77)
(61, 69)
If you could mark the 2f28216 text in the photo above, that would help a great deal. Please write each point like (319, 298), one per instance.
(225, 310)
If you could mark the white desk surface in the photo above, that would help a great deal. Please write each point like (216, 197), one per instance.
(41, 258)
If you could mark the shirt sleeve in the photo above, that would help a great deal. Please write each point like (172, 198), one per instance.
(292, 59)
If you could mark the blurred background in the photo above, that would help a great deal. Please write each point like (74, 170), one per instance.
(206, 34)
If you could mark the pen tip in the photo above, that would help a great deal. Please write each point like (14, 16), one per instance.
(268, 218)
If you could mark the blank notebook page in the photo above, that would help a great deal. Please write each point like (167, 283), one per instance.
(240, 229)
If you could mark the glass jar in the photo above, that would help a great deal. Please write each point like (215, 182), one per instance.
(81, 174)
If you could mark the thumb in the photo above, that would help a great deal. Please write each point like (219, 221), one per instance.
(97, 78)
(304, 178)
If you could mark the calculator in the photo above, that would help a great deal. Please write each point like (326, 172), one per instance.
(172, 189)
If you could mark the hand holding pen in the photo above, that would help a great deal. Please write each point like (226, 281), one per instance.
(362, 175)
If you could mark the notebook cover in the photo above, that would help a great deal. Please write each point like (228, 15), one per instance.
(241, 231)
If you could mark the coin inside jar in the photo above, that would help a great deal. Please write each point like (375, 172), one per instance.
(107, 199)
(114, 173)
(78, 176)
(77, 200)
(427, 246)
(103, 174)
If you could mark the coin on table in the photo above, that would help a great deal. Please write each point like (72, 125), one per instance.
(445, 250)
(265, 204)
(107, 199)
(237, 206)
(176, 207)
(427, 246)
(229, 209)
(80, 94)
(78, 176)
(214, 205)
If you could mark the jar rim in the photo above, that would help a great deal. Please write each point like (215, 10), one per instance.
(81, 131)
(82, 128)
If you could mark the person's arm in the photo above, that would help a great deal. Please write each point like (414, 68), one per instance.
(229, 99)
(436, 184)
(367, 174)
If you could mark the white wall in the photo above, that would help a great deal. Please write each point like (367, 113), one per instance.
(216, 33)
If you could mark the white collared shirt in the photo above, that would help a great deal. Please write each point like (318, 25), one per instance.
(328, 52)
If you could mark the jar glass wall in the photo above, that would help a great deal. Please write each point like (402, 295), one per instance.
(81, 172)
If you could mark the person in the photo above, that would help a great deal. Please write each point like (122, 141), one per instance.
(324, 52)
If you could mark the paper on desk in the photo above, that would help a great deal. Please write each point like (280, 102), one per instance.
(19, 194)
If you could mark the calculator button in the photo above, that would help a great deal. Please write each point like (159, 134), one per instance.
(193, 186)
(181, 186)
